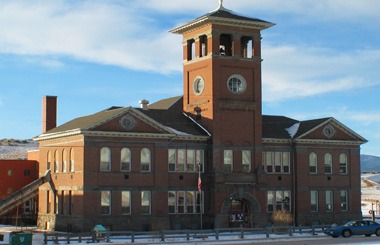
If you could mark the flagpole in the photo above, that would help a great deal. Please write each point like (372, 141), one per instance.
(200, 193)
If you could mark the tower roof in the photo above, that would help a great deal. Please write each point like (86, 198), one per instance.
(224, 16)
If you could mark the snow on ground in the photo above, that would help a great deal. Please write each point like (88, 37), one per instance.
(370, 193)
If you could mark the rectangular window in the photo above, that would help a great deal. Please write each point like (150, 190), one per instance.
(286, 162)
(190, 202)
(172, 202)
(314, 201)
(200, 160)
(200, 202)
(184, 202)
(26, 172)
(172, 157)
(190, 160)
(329, 201)
(105, 202)
(277, 162)
(278, 201)
(227, 160)
(181, 202)
(269, 162)
(182, 160)
(343, 200)
(270, 201)
(145, 202)
(246, 160)
(181, 154)
(126, 202)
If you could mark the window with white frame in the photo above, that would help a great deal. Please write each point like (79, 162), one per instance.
(64, 160)
(343, 164)
(105, 202)
(277, 162)
(227, 160)
(49, 161)
(185, 160)
(146, 202)
(314, 201)
(246, 160)
(184, 202)
(126, 202)
(278, 201)
(125, 160)
(329, 200)
(145, 160)
(105, 159)
(72, 162)
(313, 163)
(56, 162)
(328, 163)
(344, 200)
(269, 161)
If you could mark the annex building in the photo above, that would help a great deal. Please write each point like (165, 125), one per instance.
(138, 168)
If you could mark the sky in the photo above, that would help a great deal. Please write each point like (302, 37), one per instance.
(321, 59)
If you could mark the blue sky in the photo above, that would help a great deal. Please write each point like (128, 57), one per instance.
(321, 59)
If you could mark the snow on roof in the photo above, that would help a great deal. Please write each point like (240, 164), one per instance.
(292, 130)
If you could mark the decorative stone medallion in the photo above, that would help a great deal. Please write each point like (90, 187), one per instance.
(328, 131)
(128, 122)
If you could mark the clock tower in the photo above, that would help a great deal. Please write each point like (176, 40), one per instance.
(222, 92)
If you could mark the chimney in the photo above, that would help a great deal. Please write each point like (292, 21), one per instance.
(49, 113)
(144, 104)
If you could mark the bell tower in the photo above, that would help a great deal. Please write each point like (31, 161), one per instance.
(222, 81)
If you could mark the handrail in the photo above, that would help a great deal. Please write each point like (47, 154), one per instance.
(24, 194)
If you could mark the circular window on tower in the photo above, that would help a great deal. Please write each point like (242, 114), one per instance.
(198, 85)
(236, 84)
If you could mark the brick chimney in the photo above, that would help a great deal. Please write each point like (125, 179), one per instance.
(49, 113)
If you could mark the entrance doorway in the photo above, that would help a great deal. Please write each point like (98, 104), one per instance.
(238, 213)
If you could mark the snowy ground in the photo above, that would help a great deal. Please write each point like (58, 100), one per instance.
(370, 194)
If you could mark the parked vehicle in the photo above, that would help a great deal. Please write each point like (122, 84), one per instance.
(357, 227)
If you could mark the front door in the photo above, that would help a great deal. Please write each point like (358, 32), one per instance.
(239, 214)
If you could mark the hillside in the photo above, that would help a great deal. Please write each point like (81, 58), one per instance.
(13, 149)
(369, 163)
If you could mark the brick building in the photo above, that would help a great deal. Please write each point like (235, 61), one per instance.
(14, 175)
(137, 168)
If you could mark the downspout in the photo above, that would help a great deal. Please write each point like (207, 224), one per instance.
(294, 180)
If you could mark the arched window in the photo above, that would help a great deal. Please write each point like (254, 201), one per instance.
(328, 163)
(72, 162)
(225, 45)
(64, 160)
(48, 161)
(203, 46)
(105, 159)
(246, 47)
(343, 164)
(145, 160)
(313, 163)
(56, 163)
(125, 159)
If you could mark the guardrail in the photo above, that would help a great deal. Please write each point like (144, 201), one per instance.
(182, 235)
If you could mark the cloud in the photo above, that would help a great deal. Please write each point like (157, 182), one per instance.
(95, 31)
(300, 71)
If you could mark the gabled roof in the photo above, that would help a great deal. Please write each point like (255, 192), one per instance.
(168, 118)
(284, 128)
(171, 115)
(224, 16)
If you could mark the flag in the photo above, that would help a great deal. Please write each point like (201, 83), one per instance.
(199, 183)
